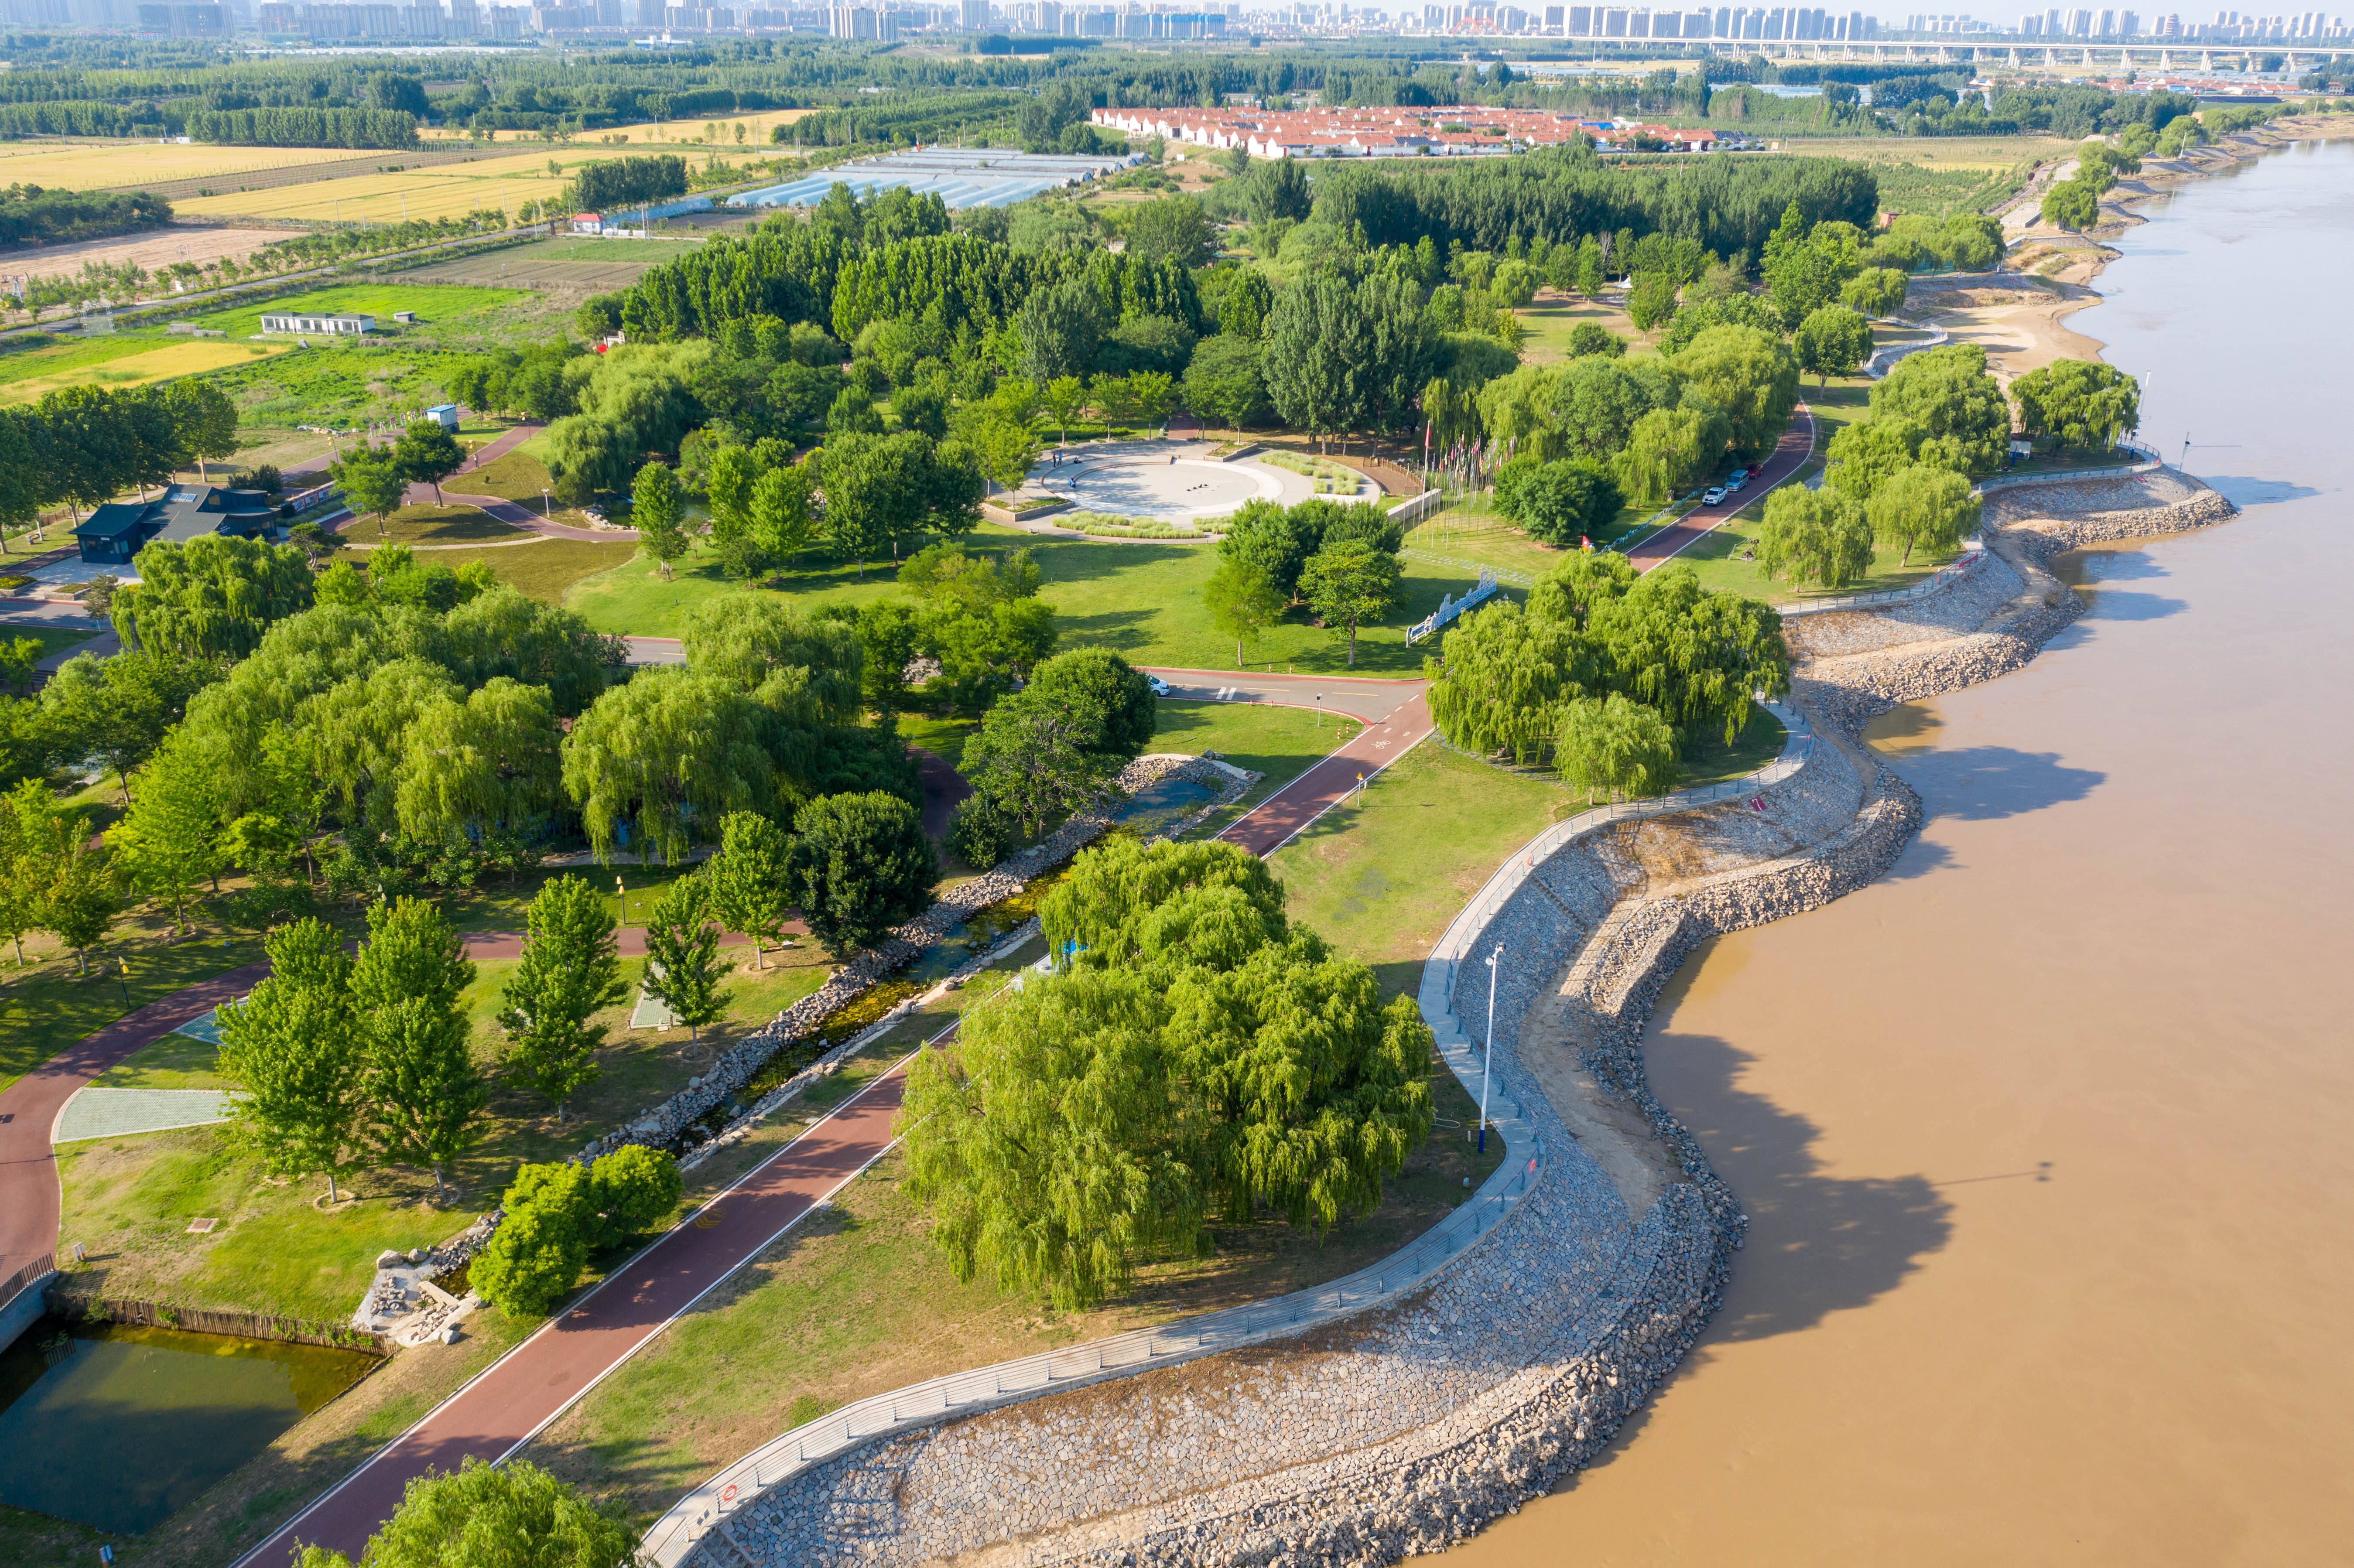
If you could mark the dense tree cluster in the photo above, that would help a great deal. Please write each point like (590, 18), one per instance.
(305, 127)
(32, 215)
(1202, 1060)
(628, 182)
(1601, 670)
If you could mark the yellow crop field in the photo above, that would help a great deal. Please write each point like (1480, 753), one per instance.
(129, 164)
(670, 134)
(139, 369)
(385, 198)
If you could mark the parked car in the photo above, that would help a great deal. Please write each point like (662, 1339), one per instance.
(1160, 687)
(1713, 496)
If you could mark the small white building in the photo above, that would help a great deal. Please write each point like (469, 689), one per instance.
(332, 326)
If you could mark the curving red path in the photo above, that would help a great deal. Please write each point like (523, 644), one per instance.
(1789, 454)
(29, 1107)
(1396, 717)
(532, 1384)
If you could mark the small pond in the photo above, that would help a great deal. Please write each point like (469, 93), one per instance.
(119, 1427)
(1161, 804)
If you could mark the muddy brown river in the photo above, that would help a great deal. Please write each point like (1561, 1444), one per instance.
(2048, 1137)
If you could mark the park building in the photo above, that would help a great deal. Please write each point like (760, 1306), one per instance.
(326, 326)
(117, 530)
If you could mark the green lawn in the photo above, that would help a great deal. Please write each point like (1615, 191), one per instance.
(1381, 879)
(26, 358)
(943, 734)
(547, 571)
(49, 1007)
(429, 524)
(434, 305)
(1281, 743)
(129, 1200)
(1139, 597)
(516, 475)
(52, 639)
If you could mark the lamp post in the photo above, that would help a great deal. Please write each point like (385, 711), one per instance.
(1488, 1066)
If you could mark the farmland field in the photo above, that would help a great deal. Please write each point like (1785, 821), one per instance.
(386, 199)
(445, 189)
(126, 163)
(670, 135)
(148, 359)
(560, 264)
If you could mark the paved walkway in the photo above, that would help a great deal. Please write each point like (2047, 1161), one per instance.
(1396, 717)
(1789, 455)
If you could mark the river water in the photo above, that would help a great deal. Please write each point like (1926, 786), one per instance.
(2048, 1137)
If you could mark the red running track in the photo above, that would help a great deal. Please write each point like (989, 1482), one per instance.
(1789, 454)
(533, 1384)
(1282, 816)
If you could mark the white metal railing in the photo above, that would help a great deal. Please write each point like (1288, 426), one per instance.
(1451, 606)
(1935, 582)
(2150, 461)
(1416, 507)
(985, 1388)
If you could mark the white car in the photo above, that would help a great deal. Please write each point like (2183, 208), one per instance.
(1160, 687)
(1713, 496)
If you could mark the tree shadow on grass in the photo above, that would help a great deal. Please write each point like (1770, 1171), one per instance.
(1117, 629)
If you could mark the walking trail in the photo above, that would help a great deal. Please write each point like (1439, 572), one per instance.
(1790, 454)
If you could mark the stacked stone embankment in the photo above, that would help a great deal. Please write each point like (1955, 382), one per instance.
(1408, 1427)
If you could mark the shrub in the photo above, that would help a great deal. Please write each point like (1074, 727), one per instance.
(979, 833)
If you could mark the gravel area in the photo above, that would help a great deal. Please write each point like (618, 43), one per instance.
(1960, 607)
(115, 1113)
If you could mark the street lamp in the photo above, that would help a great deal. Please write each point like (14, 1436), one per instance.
(1488, 1066)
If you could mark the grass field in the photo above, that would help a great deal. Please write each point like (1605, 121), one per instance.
(434, 306)
(597, 264)
(450, 524)
(1141, 598)
(129, 1200)
(1553, 315)
(548, 571)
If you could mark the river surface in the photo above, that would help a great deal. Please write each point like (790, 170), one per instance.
(2048, 1137)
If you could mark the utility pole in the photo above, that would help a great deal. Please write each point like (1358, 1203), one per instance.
(1488, 1066)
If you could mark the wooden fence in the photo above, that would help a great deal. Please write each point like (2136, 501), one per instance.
(64, 1302)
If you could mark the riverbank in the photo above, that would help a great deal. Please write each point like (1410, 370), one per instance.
(2040, 1135)
(2021, 314)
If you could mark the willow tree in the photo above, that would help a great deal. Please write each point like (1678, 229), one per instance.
(1814, 537)
(669, 748)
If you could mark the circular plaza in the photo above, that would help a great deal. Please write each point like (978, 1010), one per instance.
(1183, 488)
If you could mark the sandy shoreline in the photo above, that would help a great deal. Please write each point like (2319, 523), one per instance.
(2020, 316)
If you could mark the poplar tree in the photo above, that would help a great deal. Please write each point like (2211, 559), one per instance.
(291, 1050)
(751, 880)
(570, 969)
(169, 841)
(657, 512)
(1350, 583)
(425, 1095)
(683, 964)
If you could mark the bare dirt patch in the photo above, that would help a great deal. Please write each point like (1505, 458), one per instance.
(177, 242)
